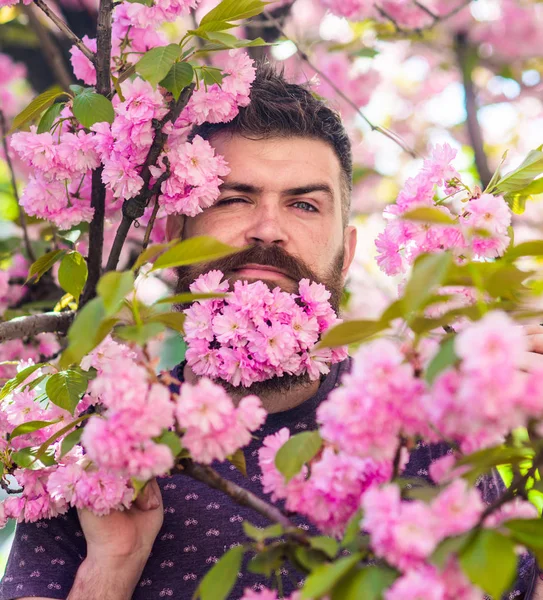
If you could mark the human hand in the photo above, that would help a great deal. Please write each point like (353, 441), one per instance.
(125, 538)
(533, 359)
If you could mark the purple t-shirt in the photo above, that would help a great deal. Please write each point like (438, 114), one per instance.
(200, 524)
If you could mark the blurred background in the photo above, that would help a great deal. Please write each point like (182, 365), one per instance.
(404, 75)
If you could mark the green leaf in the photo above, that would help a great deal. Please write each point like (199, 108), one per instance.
(528, 532)
(113, 288)
(37, 105)
(533, 248)
(90, 108)
(173, 320)
(309, 559)
(428, 273)
(66, 388)
(29, 427)
(72, 274)
(429, 215)
(445, 357)
(70, 441)
(170, 439)
(367, 584)
(149, 254)
(262, 534)
(268, 560)
(15, 382)
(42, 450)
(326, 544)
(351, 332)
(155, 63)
(296, 452)
(188, 297)
(44, 263)
(26, 459)
(449, 546)
(140, 334)
(193, 250)
(83, 334)
(352, 530)
(490, 562)
(366, 53)
(220, 579)
(49, 117)
(325, 577)
(77, 89)
(238, 460)
(178, 78)
(522, 176)
(233, 10)
(212, 75)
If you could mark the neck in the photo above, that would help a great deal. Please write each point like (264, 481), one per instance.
(274, 401)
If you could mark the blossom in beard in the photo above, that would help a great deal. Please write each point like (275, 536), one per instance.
(256, 333)
(214, 427)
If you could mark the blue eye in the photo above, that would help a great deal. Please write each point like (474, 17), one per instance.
(305, 206)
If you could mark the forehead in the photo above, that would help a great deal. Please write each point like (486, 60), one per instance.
(279, 163)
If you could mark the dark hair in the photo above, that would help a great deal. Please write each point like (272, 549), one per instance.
(282, 109)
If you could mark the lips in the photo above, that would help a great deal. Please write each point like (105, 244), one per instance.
(256, 267)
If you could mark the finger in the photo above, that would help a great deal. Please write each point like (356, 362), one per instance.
(535, 342)
(531, 361)
(150, 497)
(532, 329)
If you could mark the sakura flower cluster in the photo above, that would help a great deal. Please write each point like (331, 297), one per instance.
(256, 333)
(214, 428)
(331, 495)
(50, 490)
(137, 411)
(479, 231)
(60, 167)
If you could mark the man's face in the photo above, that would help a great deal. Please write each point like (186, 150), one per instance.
(284, 197)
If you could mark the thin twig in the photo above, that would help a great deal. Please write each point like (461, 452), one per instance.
(52, 52)
(474, 129)
(517, 485)
(22, 215)
(22, 327)
(135, 207)
(240, 495)
(65, 29)
(440, 18)
(383, 130)
(103, 48)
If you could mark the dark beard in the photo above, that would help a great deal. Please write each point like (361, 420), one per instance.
(296, 269)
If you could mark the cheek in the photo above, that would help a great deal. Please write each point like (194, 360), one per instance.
(227, 230)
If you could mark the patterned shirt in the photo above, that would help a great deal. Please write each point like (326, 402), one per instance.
(200, 524)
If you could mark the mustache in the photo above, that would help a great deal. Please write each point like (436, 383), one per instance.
(271, 256)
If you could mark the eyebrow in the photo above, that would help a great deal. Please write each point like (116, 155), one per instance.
(237, 186)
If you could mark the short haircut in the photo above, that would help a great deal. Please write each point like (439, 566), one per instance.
(282, 109)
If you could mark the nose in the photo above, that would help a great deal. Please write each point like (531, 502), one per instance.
(266, 227)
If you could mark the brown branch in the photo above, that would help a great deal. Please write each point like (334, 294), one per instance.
(98, 191)
(474, 129)
(240, 495)
(22, 215)
(65, 29)
(22, 327)
(383, 130)
(52, 52)
(135, 207)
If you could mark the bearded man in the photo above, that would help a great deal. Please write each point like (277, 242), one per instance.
(287, 200)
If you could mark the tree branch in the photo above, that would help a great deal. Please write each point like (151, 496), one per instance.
(240, 495)
(383, 130)
(135, 207)
(22, 327)
(22, 215)
(474, 129)
(52, 53)
(98, 192)
(65, 29)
